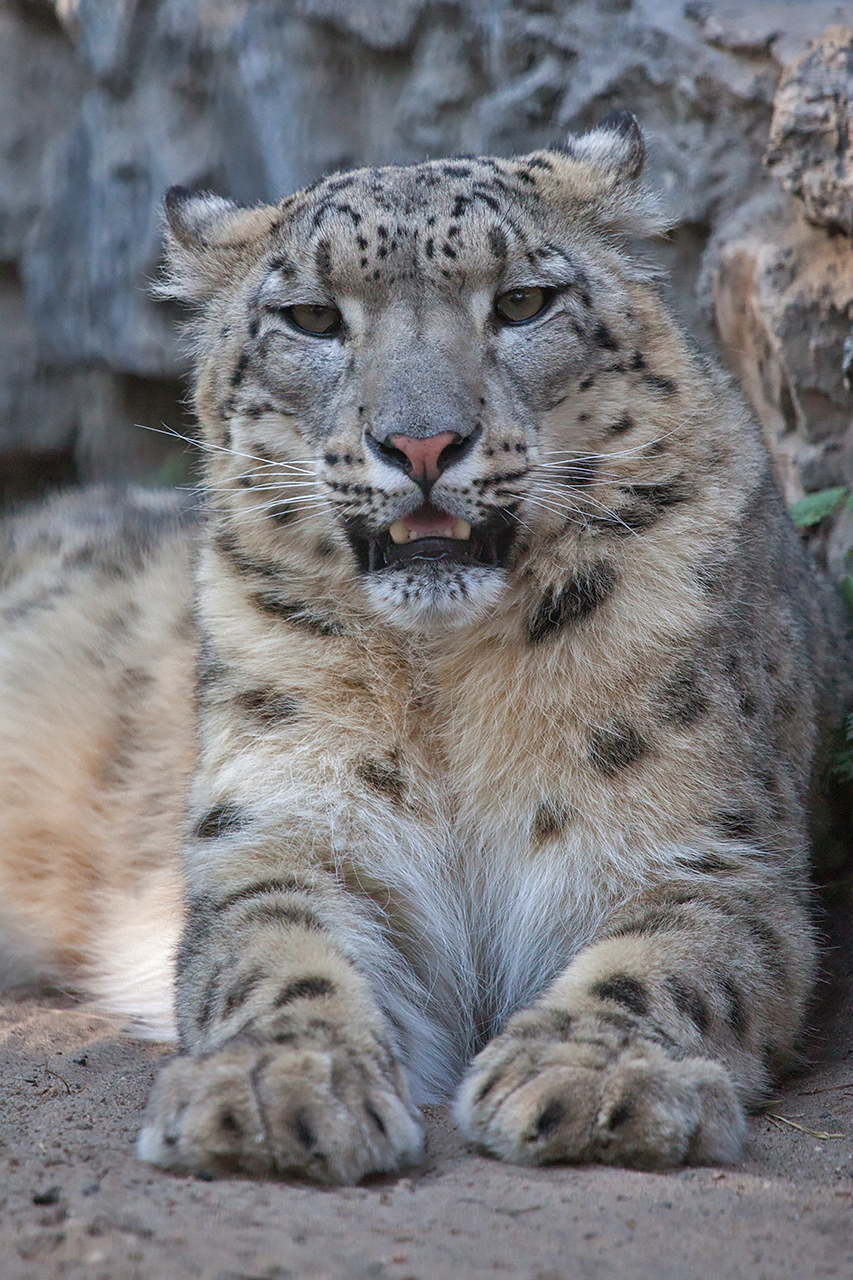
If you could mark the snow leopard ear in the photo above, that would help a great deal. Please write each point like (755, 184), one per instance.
(594, 178)
(208, 239)
(196, 217)
(615, 145)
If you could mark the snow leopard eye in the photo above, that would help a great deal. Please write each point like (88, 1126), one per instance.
(321, 322)
(519, 305)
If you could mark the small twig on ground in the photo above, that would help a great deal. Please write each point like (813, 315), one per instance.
(830, 1088)
(811, 1133)
(49, 1072)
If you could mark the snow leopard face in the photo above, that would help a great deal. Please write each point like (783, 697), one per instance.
(420, 344)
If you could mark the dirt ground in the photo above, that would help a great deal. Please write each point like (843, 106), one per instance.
(75, 1203)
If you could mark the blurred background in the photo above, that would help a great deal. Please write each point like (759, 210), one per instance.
(106, 103)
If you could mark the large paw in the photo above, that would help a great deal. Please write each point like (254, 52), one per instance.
(552, 1089)
(264, 1108)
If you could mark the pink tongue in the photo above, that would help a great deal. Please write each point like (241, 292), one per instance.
(428, 522)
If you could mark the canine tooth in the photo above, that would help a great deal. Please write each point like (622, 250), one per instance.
(399, 532)
(462, 530)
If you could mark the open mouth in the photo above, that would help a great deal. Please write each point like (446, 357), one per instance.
(430, 536)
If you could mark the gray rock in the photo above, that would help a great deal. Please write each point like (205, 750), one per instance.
(41, 87)
(783, 293)
(36, 409)
(777, 27)
(811, 134)
(381, 24)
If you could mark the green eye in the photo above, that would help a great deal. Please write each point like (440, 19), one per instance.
(519, 305)
(322, 322)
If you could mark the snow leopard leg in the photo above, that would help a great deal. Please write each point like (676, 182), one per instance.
(289, 1066)
(648, 1047)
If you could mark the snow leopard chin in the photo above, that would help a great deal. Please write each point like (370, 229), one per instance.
(435, 596)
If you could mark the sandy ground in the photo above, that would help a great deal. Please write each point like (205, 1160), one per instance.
(75, 1203)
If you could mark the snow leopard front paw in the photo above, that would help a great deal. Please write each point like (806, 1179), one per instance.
(552, 1088)
(312, 1111)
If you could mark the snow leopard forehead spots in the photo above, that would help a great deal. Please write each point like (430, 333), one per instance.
(387, 227)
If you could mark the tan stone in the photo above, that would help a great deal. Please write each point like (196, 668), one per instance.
(811, 134)
(783, 298)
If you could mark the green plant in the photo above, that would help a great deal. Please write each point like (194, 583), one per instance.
(815, 507)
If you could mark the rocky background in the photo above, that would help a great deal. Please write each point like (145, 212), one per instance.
(105, 103)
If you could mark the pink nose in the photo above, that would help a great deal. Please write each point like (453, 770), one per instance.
(424, 454)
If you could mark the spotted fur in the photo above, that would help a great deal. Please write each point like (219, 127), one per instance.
(531, 824)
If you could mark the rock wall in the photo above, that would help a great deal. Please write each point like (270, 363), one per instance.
(105, 103)
(780, 274)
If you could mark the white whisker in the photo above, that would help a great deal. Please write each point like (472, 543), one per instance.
(264, 473)
(625, 453)
(315, 505)
(219, 448)
(278, 486)
(535, 500)
(570, 506)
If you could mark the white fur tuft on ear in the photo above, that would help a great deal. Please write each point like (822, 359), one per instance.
(595, 178)
(193, 215)
(615, 145)
(209, 241)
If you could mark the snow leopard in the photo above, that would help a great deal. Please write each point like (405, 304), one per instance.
(461, 736)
